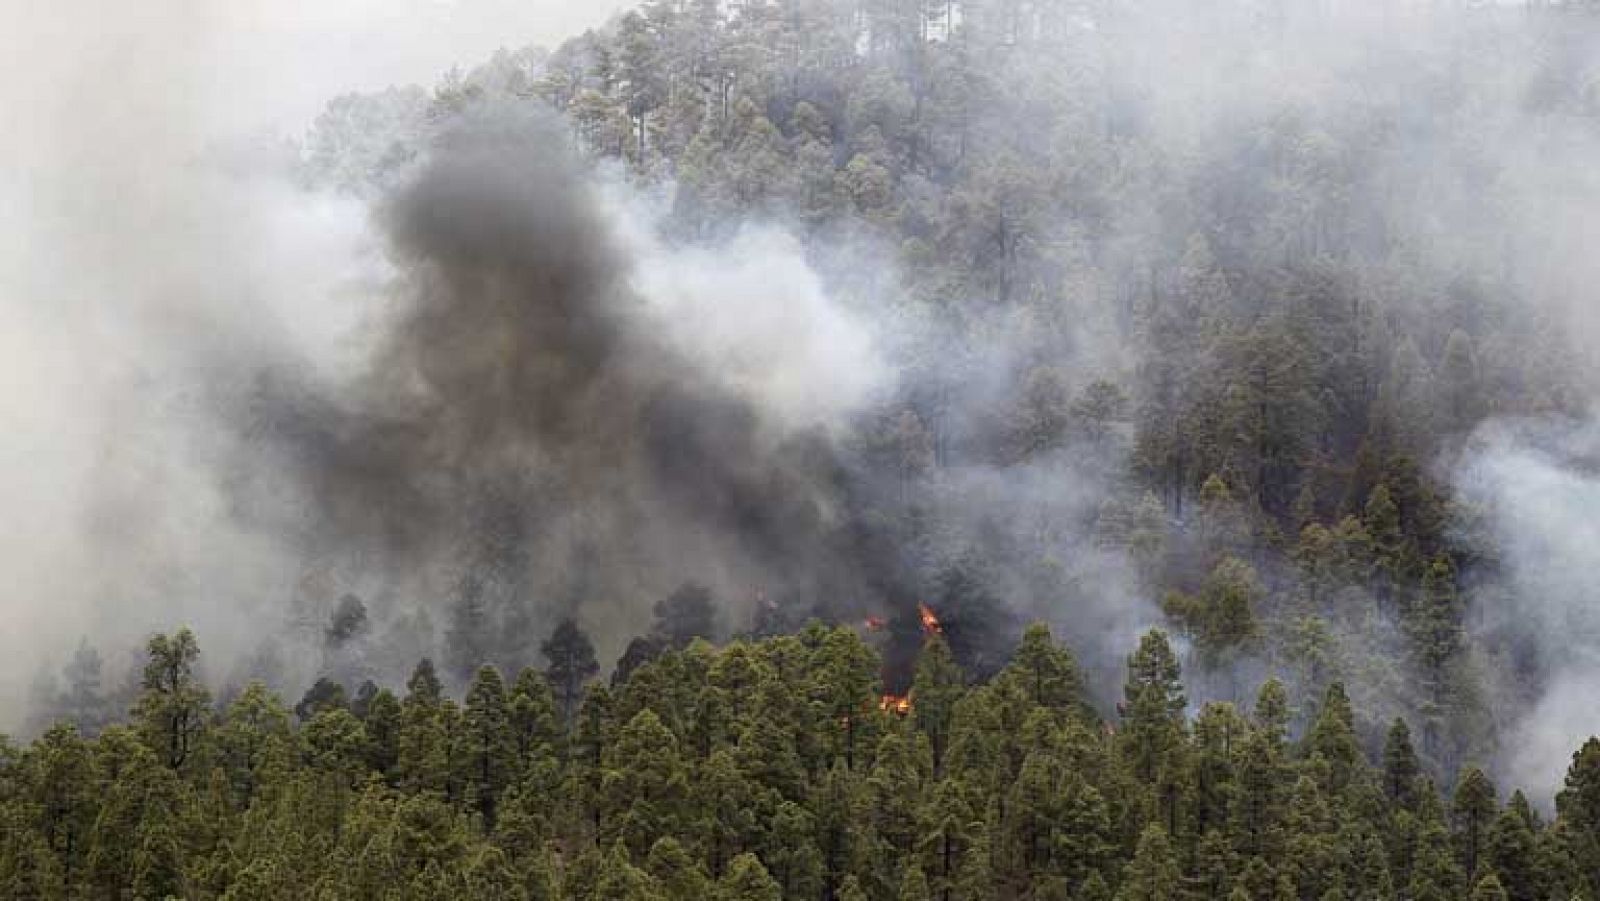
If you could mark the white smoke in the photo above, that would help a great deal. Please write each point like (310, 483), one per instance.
(1537, 485)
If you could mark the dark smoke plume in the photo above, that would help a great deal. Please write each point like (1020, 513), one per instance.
(526, 442)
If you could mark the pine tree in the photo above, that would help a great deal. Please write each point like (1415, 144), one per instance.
(975, 877)
(324, 694)
(1153, 705)
(536, 724)
(1219, 735)
(422, 755)
(1472, 811)
(572, 665)
(383, 733)
(1462, 396)
(936, 687)
(1435, 875)
(1510, 853)
(747, 880)
(1400, 767)
(1434, 624)
(843, 671)
(1382, 520)
(64, 802)
(173, 707)
(348, 622)
(1153, 874)
(84, 703)
(1333, 739)
(620, 880)
(1262, 773)
(642, 785)
(488, 745)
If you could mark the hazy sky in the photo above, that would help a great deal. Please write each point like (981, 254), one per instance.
(271, 63)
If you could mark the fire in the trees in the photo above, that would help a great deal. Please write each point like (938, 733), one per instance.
(897, 703)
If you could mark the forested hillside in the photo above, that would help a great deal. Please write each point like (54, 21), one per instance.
(1206, 323)
(1191, 307)
(767, 770)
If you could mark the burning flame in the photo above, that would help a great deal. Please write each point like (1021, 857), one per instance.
(876, 623)
(900, 704)
(930, 623)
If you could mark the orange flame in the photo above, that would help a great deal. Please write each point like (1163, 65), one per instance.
(900, 704)
(930, 623)
(876, 623)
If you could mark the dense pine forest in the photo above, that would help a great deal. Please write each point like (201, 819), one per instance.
(767, 770)
(1215, 334)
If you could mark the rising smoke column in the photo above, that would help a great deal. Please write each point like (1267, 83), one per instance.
(533, 438)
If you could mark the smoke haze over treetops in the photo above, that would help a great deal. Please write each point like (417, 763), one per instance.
(1053, 310)
(535, 431)
(229, 396)
(1536, 484)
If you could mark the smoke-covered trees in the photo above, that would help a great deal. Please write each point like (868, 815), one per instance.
(83, 702)
(571, 664)
(1246, 332)
(686, 614)
(1255, 358)
(708, 771)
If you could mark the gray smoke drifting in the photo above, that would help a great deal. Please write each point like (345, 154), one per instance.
(232, 400)
(547, 424)
(1537, 484)
(485, 392)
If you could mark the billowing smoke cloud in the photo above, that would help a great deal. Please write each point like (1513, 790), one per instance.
(1537, 485)
(231, 400)
(562, 415)
(502, 396)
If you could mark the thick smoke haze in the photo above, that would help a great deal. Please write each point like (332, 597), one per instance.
(560, 420)
(1536, 484)
(486, 382)
(152, 253)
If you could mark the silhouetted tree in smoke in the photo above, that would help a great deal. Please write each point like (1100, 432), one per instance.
(1401, 770)
(471, 634)
(772, 618)
(979, 625)
(324, 694)
(366, 693)
(348, 621)
(83, 702)
(572, 664)
(686, 614)
(641, 649)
